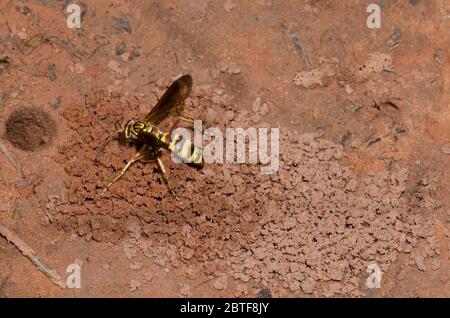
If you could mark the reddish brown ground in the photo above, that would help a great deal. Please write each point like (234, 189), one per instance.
(364, 173)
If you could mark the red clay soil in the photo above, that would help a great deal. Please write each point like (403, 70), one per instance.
(364, 144)
(311, 222)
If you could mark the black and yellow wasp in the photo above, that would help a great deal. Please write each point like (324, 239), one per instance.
(150, 140)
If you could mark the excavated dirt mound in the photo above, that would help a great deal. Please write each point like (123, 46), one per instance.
(312, 227)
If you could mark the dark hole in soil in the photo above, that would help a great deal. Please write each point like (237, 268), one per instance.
(264, 293)
(30, 129)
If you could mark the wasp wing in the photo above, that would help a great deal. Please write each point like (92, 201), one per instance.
(172, 99)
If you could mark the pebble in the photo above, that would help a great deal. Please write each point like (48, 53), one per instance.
(135, 266)
(221, 283)
(229, 5)
(134, 285)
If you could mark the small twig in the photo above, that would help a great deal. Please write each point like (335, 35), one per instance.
(438, 207)
(11, 159)
(11, 33)
(28, 252)
(97, 48)
(3, 283)
(371, 140)
(299, 46)
(389, 70)
(391, 103)
(387, 102)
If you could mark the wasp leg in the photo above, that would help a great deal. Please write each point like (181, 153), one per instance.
(166, 177)
(182, 118)
(190, 121)
(172, 127)
(135, 158)
(187, 119)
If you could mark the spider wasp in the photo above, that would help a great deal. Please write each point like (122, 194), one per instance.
(150, 141)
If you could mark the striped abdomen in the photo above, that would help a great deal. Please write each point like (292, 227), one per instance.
(181, 148)
(186, 151)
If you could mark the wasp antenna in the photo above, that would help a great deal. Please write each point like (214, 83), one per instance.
(105, 142)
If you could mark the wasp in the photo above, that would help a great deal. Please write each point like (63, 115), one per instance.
(150, 141)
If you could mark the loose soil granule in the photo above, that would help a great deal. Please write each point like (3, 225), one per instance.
(311, 228)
